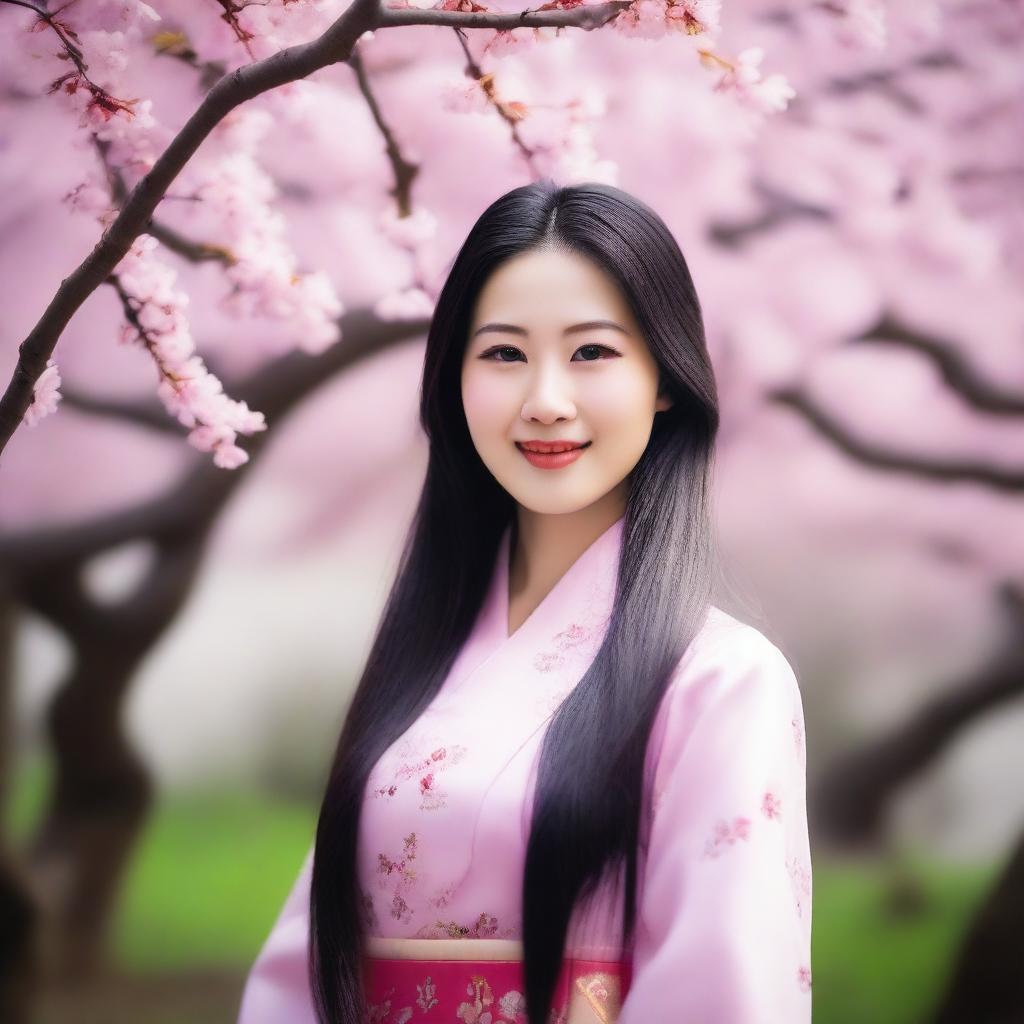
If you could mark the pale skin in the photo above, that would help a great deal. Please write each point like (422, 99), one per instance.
(554, 352)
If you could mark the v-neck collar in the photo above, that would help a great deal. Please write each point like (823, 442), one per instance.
(597, 562)
(572, 614)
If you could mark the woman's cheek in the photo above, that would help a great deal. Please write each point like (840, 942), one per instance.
(616, 401)
(475, 390)
(485, 400)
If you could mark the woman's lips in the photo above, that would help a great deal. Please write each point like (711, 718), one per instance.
(553, 460)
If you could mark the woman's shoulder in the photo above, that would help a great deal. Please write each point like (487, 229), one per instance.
(726, 637)
(730, 673)
(728, 651)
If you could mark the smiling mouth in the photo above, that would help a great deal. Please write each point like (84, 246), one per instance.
(552, 451)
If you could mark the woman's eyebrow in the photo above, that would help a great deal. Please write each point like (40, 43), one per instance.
(589, 325)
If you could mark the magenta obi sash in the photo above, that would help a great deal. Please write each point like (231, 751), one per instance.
(453, 988)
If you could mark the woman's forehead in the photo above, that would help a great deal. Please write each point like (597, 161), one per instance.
(551, 290)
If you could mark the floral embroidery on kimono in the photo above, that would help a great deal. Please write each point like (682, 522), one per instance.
(484, 927)
(602, 992)
(804, 976)
(444, 897)
(426, 998)
(800, 876)
(771, 805)
(726, 833)
(380, 1013)
(476, 1011)
(404, 878)
(425, 770)
(572, 637)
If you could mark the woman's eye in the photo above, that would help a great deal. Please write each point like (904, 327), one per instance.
(502, 348)
(595, 348)
(592, 353)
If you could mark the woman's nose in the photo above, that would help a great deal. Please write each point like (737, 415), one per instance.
(549, 397)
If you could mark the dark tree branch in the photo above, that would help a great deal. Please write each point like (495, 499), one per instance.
(983, 982)
(958, 374)
(778, 209)
(149, 414)
(887, 82)
(586, 18)
(884, 458)
(78, 78)
(176, 45)
(404, 171)
(194, 252)
(970, 173)
(70, 48)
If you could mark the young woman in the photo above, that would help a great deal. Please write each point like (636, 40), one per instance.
(568, 787)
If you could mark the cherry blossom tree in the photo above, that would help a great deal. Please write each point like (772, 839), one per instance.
(281, 185)
(136, 147)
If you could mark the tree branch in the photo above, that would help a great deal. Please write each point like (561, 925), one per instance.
(586, 18)
(194, 252)
(277, 387)
(138, 413)
(73, 52)
(778, 209)
(879, 457)
(486, 82)
(958, 374)
(404, 171)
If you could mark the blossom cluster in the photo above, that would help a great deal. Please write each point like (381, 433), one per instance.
(239, 197)
(157, 320)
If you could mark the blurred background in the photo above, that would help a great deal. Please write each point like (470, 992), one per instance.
(180, 639)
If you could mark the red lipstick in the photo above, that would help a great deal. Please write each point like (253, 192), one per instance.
(552, 454)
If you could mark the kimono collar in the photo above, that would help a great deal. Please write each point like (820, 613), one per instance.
(579, 603)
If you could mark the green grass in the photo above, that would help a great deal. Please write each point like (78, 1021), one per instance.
(212, 870)
(208, 880)
(28, 786)
(874, 963)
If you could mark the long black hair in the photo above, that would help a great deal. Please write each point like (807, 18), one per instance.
(590, 793)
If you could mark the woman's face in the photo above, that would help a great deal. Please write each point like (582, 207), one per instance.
(554, 354)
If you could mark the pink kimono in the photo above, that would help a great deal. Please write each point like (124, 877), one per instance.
(724, 927)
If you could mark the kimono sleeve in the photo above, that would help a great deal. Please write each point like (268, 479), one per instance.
(724, 916)
(277, 988)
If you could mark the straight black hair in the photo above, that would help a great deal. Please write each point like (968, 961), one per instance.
(591, 796)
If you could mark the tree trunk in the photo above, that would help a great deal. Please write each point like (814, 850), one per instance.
(18, 913)
(986, 981)
(852, 795)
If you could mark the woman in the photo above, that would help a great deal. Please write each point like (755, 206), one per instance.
(566, 781)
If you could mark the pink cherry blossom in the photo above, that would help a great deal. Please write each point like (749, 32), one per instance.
(188, 390)
(744, 80)
(405, 305)
(410, 231)
(463, 97)
(46, 396)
